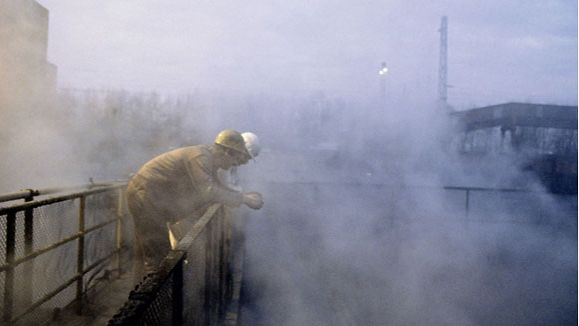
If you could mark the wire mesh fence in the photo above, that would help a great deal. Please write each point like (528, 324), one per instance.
(193, 285)
(52, 248)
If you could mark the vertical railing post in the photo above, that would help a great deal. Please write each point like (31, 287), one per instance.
(9, 279)
(217, 270)
(219, 266)
(228, 255)
(210, 274)
(80, 254)
(467, 203)
(28, 248)
(207, 301)
(119, 230)
(178, 294)
(222, 264)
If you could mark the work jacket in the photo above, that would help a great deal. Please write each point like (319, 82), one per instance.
(183, 182)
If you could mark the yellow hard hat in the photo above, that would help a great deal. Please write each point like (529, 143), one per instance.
(233, 140)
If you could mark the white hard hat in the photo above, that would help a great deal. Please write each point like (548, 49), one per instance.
(251, 143)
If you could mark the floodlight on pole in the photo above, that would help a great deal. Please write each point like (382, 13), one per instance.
(382, 72)
(383, 69)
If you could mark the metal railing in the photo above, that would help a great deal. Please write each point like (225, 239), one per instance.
(41, 269)
(469, 190)
(193, 285)
(467, 203)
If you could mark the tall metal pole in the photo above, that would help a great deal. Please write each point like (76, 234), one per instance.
(442, 67)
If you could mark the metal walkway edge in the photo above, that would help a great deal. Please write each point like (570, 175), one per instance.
(100, 304)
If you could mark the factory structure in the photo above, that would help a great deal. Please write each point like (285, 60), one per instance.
(26, 75)
(541, 139)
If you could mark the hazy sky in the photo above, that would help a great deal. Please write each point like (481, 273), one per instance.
(499, 50)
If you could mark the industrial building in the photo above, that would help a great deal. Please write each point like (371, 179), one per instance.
(25, 72)
(542, 138)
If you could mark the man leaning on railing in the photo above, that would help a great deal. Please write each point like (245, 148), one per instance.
(180, 184)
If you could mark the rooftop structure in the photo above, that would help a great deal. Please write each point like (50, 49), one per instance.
(540, 138)
(511, 115)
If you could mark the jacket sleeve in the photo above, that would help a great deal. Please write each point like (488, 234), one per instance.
(208, 186)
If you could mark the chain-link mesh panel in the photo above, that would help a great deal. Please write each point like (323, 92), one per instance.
(206, 286)
(99, 244)
(55, 222)
(160, 311)
(3, 219)
(157, 299)
(19, 252)
(49, 308)
(3, 239)
(207, 280)
(48, 272)
(194, 270)
(2, 287)
(53, 269)
(100, 208)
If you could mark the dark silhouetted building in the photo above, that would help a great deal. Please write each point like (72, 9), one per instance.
(542, 138)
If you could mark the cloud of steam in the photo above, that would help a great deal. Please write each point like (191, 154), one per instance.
(365, 235)
(356, 228)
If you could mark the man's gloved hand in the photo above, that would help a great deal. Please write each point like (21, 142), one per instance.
(253, 200)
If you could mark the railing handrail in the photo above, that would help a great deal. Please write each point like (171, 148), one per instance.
(60, 197)
(62, 194)
(187, 241)
(488, 189)
(145, 292)
(55, 245)
(401, 185)
(22, 194)
(30, 193)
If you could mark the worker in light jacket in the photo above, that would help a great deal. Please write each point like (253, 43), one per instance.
(180, 184)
